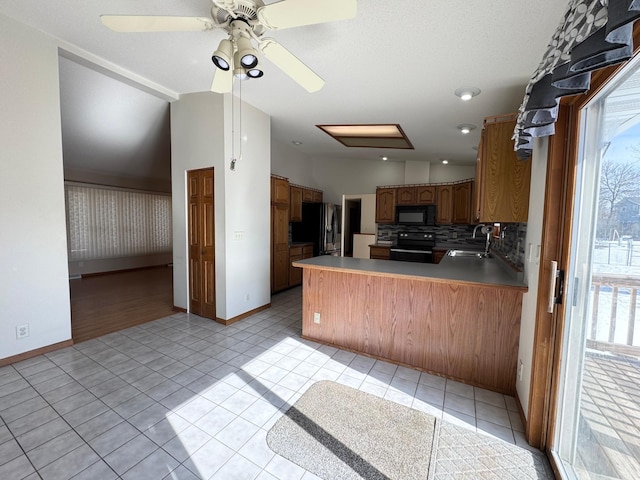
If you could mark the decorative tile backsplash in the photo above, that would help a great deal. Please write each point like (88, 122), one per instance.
(444, 234)
(510, 243)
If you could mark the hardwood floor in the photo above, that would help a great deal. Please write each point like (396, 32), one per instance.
(107, 303)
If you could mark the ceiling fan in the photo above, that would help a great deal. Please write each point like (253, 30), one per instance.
(246, 21)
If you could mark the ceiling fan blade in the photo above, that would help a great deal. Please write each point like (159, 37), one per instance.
(291, 65)
(151, 23)
(222, 81)
(296, 13)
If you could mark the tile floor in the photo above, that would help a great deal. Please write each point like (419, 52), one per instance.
(184, 398)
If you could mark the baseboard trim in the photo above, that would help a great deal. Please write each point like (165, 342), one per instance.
(243, 316)
(179, 309)
(124, 270)
(34, 353)
(523, 418)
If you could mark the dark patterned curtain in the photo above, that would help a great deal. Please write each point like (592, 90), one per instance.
(593, 34)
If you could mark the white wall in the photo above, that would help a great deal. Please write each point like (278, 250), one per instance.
(338, 176)
(289, 162)
(248, 214)
(450, 173)
(417, 172)
(34, 286)
(200, 138)
(197, 141)
(531, 269)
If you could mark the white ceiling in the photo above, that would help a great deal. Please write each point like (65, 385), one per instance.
(397, 62)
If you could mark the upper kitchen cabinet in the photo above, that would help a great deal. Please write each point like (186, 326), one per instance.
(462, 203)
(425, 194)
(502, 188)
(279, 190)
(307, 195)
(406, 196)
(385, 205)
(444, 202)
(416, 195)
(295, 209)
(317, 196)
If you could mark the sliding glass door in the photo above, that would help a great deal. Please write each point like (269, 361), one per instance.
(598, 419)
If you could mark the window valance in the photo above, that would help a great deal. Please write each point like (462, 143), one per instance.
(593, 34)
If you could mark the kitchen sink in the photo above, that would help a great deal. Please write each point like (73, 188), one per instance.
(468, 253)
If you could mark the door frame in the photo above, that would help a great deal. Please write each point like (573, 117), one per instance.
(555, 245)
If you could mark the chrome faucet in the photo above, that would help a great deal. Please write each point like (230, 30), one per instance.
(486, 229)
(476, 229)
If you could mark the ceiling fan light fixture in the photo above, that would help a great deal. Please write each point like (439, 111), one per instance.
(246, 53)
(222, 56)
(239, 72)
(254, 73)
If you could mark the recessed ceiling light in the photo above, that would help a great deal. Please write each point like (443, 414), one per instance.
(296, 142)
(467, 93)
(465, 128)
(445, 162)
(384, 158)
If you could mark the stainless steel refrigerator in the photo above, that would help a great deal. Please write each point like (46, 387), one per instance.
(321, 224)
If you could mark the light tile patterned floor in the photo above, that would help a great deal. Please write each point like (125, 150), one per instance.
(185, 398)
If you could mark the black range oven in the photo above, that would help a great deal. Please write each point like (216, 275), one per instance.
(414, 247)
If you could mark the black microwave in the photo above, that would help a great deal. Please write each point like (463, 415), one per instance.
(416, 215)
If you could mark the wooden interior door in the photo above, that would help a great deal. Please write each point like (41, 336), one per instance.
(202, 288)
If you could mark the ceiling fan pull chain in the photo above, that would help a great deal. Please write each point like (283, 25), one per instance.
(240, 122)
(232, 165)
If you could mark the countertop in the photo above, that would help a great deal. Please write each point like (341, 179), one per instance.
(482, 271)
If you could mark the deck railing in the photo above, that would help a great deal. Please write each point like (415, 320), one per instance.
(606, 290)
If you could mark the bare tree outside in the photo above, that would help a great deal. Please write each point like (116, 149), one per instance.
(619, 202)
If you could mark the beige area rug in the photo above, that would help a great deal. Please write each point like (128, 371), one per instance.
(337, 432)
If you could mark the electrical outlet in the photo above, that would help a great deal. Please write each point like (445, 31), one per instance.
(454, 235)
(22, 331)
(520, 368)
(316, 317)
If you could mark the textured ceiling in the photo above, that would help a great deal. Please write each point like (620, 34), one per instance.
(396, 62)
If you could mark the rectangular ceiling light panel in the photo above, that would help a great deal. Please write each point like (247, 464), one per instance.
(369, 136)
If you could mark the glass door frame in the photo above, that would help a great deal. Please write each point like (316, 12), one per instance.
(556, 246)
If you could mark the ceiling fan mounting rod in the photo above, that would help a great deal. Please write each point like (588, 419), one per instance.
(241, 27)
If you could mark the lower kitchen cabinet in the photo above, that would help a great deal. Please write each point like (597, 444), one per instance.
(298, 252)
(438, 254)
(380, 253)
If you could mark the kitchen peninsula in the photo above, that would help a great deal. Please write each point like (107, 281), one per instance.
(459, 318)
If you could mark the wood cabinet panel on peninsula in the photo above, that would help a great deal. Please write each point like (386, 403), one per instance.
(502, 179)
(461, 329)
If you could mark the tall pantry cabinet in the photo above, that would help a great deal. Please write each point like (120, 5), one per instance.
(279, 233)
